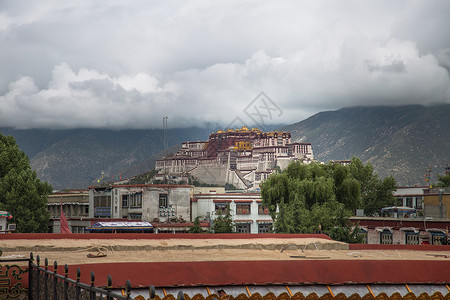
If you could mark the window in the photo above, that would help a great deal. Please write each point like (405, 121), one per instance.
(243, 209)
(264, 228)
(419, 203)
(409, 202)
(135, 200)
(438, 238)
(102, 201)
(135, 216)
(385, 237)
(221, 208)
(262, 210)
(78, 229)
(86, 209)
(258, 177)
(411, 238)
(124, 201)
(243, 228)
(163, 202)
(363, 233)
(102, 206)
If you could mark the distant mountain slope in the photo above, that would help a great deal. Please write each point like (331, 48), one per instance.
(75, 158)
(401, 141)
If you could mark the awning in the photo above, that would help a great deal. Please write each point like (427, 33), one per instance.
(385, 228)
(399, 209)
(413, 229)
(120, 226)
(436, 230)
(5, 214)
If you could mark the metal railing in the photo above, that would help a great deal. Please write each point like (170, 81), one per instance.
(48, 284)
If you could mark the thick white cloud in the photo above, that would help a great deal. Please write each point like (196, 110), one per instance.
(126, 65)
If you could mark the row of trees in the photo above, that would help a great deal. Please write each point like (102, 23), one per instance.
(321, 197)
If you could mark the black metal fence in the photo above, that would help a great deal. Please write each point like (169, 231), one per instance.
(48, 284)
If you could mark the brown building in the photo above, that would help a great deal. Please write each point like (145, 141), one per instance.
(437, 203)
(75, 206)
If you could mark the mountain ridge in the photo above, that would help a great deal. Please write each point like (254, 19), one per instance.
(76, 158)
(396, 140)
(402, 141)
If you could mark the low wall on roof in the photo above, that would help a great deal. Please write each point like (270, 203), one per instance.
(160, 236)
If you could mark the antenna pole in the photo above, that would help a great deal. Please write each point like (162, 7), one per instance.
(165, 145)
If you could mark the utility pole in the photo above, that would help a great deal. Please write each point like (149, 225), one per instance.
(166, 146)
(165, 141)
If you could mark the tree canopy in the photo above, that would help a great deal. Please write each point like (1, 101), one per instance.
(196, 228)
(22, 193)
(223, 223)
(443, 180)
(321, 197)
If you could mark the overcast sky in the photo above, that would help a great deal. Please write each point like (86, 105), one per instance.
(127, 64)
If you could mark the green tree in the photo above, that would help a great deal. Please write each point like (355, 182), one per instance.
(443, 180)
(223, 223)
(195, 228)
(22, 193)
(321, 197)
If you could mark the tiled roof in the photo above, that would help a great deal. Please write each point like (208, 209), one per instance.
(311, 296)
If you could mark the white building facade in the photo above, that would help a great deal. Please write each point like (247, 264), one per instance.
(247, 211)
(145, 202)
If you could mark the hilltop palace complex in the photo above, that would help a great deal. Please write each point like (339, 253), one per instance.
(242, 157)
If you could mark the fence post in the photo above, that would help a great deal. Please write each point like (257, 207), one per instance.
(38, 277)
(55, 281)
(108, 288)
(128, 289)
(46, 279)
(30, 276)
(77, 286)
(152, 292)
(180, 295)
(91, 291)
(66, 283)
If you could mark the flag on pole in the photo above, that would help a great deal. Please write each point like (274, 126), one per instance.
(63, 221)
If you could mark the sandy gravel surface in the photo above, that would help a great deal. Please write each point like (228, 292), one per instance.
(175, 250)
(68, 243)
(80, 257)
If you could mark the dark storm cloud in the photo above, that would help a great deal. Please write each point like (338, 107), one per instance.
(125, 65)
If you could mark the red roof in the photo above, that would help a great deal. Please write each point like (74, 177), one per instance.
(219, 273)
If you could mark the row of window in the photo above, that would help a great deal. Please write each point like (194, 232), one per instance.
(411, 238)
(241, 209)
(410, 202)
(132, 200)
(245, 228)
(135, 200)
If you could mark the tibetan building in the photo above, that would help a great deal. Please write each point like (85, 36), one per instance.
(242, 157)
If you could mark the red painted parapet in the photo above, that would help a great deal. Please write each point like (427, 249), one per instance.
(220, 273)
(399, 247)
